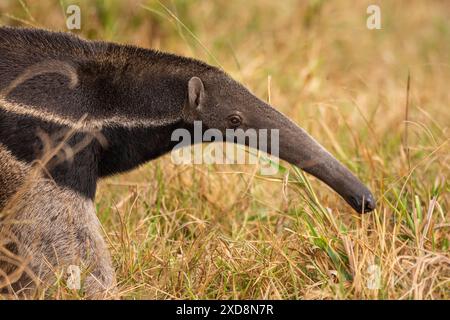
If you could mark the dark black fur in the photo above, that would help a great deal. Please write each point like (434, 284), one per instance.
(20, 135)
(126, 149)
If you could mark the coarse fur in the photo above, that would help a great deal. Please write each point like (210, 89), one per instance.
(73, 111)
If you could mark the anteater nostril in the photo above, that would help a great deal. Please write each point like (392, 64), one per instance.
(369, 204)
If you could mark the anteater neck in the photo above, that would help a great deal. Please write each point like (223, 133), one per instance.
(115, 84)
(130, 147)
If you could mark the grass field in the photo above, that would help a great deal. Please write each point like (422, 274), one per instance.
(216, 231)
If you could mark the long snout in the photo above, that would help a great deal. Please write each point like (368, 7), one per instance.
(297, 147)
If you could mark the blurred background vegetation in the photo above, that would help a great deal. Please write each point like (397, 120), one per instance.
(210, 231)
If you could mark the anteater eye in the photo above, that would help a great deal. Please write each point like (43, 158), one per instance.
(234, 120)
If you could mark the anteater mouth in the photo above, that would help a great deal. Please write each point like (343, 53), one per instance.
(363, 204)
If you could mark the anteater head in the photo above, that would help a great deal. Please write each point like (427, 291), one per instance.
(222, 103)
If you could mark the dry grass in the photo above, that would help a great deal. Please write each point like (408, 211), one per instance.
(209, 232)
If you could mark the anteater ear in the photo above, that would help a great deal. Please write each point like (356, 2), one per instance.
(196, 92)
